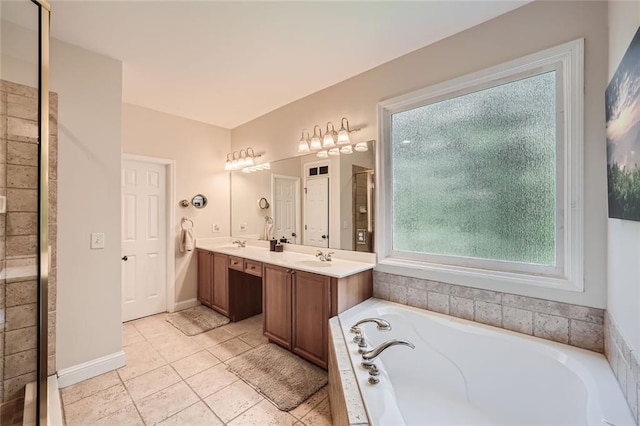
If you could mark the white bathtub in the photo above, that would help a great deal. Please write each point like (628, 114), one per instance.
(465, 373)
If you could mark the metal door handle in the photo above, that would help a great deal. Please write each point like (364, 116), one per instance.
(125, 258)
(324, 237)
(293, 234)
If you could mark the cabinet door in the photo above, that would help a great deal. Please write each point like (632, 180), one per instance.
(276, 304)
(221, 283)
(205, 277)
(311, 306)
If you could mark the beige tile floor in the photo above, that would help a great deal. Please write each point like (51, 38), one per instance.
(173, 379)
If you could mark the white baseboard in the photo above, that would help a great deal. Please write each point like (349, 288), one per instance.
(185, 304)
(89, 369)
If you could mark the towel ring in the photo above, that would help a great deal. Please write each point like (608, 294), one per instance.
(184, 220)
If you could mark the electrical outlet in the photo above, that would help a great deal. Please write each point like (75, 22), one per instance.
(215, 228)
(97, 240)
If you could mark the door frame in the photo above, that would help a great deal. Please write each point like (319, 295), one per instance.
(170, 176)
(298, 202)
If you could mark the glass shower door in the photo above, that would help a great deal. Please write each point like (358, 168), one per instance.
(24, 220)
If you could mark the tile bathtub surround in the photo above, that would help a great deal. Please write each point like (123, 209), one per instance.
(18, 235)
(624, 363)
(173, 379)
(575, 325)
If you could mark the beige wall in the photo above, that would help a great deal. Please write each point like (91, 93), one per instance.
(199, 151)
(89, 85)
(89, 120)
(526, 30)
(624, 235)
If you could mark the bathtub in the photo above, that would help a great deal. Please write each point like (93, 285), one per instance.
(466, 373)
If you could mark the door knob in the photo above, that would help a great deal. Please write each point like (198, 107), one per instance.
(293, 234)
(324, 237)
(125, 258)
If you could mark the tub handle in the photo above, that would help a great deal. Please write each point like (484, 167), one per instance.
(383, 325)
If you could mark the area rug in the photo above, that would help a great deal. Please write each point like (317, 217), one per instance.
(196, 320)
(280, 376)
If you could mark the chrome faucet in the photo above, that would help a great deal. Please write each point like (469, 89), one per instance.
(369, 357)
(324, 257)
(382, 325)
(240, 243)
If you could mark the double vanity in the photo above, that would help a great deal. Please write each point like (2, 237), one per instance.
(296, 292)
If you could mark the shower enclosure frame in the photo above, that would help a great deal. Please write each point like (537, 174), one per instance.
(44, 250)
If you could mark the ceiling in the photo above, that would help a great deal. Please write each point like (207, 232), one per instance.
(226, 63)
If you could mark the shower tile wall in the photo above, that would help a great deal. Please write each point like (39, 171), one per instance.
(18, 236)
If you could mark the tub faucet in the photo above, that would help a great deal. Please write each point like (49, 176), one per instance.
(382, 325)
(370, 356)
(240, 243)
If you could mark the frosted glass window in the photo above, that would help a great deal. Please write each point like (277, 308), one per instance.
(475, 175)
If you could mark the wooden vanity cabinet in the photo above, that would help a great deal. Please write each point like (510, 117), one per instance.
(220, 300)
(205, 277)
(276, 304)
(296, 308)
(213, 284)
(311, 308)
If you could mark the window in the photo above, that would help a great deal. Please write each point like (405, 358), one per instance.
(483, 174)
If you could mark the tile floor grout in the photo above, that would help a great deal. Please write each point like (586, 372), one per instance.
(238, 331)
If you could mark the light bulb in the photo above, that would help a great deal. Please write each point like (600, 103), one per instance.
(328, 142)
(343, 133)
(361, 147)
(315, 143)
(346, 149)
(303, 145)
(343, 137)
(322, 154)
(334, 151)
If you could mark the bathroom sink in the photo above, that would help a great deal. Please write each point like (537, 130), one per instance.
(313, 263)
(233, 248)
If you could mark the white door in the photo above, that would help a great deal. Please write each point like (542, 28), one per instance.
(286, 190)
(316, 210)
(143, 239)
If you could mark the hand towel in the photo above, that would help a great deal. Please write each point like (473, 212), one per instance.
(269, 231)
(186, 240)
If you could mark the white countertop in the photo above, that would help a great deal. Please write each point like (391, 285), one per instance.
(337, 268)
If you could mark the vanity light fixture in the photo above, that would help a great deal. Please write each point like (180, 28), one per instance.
(332, 143)
(256, 168)
(240, 159)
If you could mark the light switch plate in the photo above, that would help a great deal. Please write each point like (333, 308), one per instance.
(97, 240)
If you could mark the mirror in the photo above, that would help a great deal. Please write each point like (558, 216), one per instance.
(199, 201)
(319, 202)
(263, 203)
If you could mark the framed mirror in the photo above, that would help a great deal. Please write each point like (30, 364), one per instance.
(319, 202)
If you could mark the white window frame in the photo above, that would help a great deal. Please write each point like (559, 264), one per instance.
(568, 274)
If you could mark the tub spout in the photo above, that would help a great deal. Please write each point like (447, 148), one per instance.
(373, 353)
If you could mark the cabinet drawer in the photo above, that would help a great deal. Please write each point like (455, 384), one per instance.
(252, 267)
(236, 263)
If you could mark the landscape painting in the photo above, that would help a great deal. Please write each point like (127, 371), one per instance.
(623, 135)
